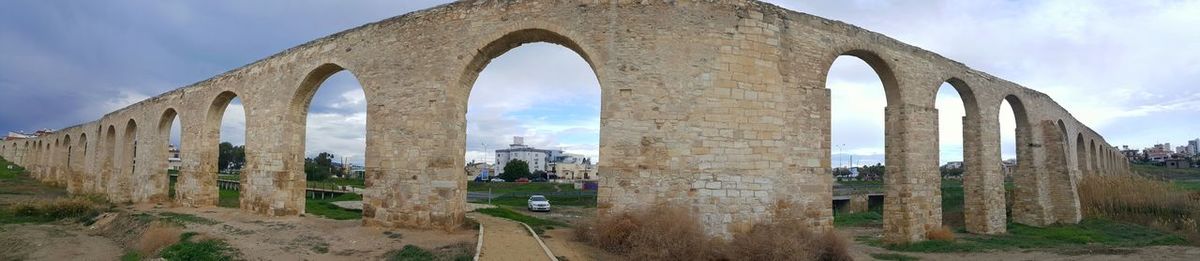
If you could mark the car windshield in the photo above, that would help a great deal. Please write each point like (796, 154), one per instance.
(537, 198)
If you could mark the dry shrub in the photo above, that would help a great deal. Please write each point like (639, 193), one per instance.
(156, 237)
(673, 233)
(56, 209)
(1143, 201)
(658, 233)
(941, 233)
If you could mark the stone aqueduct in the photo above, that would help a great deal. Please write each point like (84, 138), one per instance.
(720, 106)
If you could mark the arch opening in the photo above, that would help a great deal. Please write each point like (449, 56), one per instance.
(860, 88)
(167, 156)
(556, 117)
(225, 134)
(957, 114)
(329, 112)
(1015, 157)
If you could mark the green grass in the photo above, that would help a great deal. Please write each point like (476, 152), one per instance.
(182, 219)
(203, 250)
(228, 198)
(508, 187)
(334, 182)
(861, 182)
(131, 255)
(1164, 172)
(538, 225)
(7, 174)
(1188, 185)
(896, 257)
(414, 253)
(567, 200)
(873, 217)
(325, 207)
(1088, 233)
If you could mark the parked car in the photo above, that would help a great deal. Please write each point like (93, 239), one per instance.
(523, 180)
(539, 179)
(497, 180)
(538, 203)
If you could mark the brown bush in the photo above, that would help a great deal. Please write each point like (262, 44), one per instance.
(1141, 200)
(940, 233)
(673, 233)
(156, 237)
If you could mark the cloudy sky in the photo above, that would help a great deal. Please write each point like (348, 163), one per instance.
(1129, 69)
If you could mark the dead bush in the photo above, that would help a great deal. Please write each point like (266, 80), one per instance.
(1141, 200)
(673, 233)
(940, 233)
(56, 209)
(156, 237)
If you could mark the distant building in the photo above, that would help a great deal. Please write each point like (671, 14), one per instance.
(1178, 163)
(1158, 153)
(173, 160)
(538, 159)
(953, 165)
(1195, 146)
(563, 165)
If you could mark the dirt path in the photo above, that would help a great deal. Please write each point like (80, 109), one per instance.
(561, 241)
(312, 238)
(507, 240)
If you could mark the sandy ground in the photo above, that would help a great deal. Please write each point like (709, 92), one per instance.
(505, 239)
(54, 242)
(561, 241)
(300, 238)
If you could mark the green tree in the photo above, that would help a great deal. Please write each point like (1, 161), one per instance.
(321, 167)
(515, 169)
(230, 157)
(948, 172)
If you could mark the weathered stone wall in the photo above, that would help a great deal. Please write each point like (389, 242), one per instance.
(720, 107)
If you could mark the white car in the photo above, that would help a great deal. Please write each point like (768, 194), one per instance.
(497, 180)
(538, 203)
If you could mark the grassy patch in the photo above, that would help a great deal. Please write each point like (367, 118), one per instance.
(1087, 233)
(6, 173)
(1164, 172)
(183, 219)
(131, 256)
(896, 257)
(326, 208)
(457, 252)
(228, 198)
(192, 248)
(869, 218)
(567, 200)
(78, 208)
(509, 187)
(538, 225)
(335, 182)
(1187, 185)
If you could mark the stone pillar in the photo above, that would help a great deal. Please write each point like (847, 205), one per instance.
(414, 163)
(1031, 205)
(268, 186)
(1061, 176)
(912, 205)
(983, 179)
(196, 185)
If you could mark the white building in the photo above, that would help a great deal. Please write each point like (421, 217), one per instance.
(173, 161)
(538, 159)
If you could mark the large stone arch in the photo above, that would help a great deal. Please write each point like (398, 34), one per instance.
(108, 156)
(295, 127)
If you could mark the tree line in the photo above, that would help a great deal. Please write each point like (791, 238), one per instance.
(321, 167)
